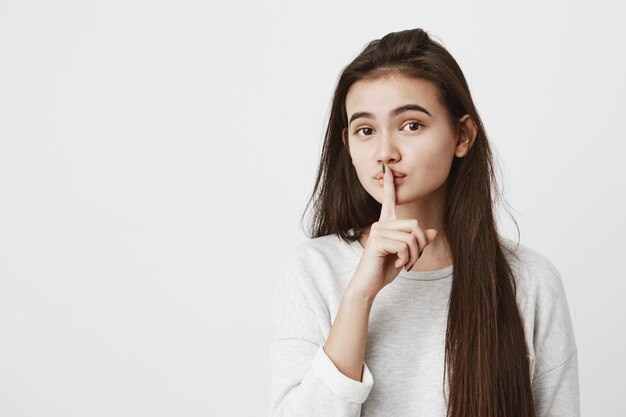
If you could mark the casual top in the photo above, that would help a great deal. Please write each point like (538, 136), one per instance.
(403, 367)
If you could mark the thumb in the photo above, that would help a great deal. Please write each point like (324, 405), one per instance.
(430, 234)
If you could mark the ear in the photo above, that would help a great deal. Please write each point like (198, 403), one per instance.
(467, 136)
(344, 139)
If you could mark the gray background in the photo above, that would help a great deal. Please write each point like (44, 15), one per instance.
(156, 158)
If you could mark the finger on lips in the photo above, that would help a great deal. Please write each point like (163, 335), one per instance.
(388, 210)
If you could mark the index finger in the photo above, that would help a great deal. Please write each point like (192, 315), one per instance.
(388, 210)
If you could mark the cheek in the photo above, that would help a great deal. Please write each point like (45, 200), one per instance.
(363, 169)
(433, 163)
(361, 163)
(363, 173)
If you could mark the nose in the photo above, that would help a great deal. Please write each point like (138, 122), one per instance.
(387, 148)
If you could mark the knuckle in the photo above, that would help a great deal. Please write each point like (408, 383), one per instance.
(415, 239)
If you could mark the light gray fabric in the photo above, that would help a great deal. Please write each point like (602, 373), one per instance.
(403, 368)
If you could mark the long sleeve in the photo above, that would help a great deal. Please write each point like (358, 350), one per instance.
(304, 381)
(555, 381)
(556, 392)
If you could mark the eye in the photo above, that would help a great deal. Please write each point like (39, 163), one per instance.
(414, 123)
(367, 128)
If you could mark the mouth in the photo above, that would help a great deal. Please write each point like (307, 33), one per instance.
(397, 180)
(380, 176)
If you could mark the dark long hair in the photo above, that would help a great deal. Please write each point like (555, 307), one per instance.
(486, 356)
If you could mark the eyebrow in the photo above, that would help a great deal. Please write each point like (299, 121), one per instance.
(392, 113)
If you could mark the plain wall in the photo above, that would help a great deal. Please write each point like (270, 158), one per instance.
(156, 159)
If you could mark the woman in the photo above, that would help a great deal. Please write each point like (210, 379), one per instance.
(407, 301)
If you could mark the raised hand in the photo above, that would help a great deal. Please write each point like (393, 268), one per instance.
(391, 244)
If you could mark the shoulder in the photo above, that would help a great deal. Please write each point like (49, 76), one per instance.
(321, 255)
(534, 272)
(539, 285)
(543, 303)
(321, 266)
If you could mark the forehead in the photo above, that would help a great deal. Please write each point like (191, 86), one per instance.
(382, 94)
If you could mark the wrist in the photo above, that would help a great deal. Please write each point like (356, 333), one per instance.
(356, 294)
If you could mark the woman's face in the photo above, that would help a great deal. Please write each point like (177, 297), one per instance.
(399, 121)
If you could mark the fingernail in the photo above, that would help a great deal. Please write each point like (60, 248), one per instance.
(383, 168)
(420, 254)
(410, 268)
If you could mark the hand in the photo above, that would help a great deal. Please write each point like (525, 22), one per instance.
(391, 244)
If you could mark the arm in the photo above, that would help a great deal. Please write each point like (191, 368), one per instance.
(556, 392)
(304, 380)
(345, 345)
(555, 382)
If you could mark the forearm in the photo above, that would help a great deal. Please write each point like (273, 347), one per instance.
(345, 344)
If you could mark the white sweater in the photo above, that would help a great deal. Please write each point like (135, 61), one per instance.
(403, 367)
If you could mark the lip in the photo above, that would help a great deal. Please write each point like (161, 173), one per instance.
(380, 176)
(396, 180)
